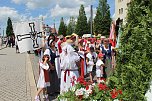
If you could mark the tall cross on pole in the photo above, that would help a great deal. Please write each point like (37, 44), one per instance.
(33, 35)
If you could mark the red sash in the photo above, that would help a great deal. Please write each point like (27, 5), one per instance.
(82, 67)
(46, 75)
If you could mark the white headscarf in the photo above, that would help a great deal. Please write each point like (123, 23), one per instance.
(69, 57)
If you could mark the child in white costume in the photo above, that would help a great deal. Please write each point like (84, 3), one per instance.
(42, 83)
(90, 61)
(99, 67)
(69, 68)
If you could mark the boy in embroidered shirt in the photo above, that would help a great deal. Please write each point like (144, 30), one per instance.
(99, 67)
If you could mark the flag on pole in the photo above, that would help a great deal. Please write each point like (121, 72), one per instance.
(112, 35)
(118, 39)
(28, 35)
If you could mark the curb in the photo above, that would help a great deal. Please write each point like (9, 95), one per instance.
(2, 48)
(30, 74)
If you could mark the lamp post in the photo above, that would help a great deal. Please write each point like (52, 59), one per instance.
(91, 20)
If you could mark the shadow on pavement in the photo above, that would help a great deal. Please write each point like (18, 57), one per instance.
(3, 54)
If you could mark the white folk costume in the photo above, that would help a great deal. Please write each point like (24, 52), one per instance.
(69, 73)
(99, 68)
(43, 80)
(91, 63)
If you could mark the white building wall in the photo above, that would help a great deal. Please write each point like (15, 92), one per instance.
(121, 9)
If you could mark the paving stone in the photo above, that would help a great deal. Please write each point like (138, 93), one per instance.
(14, 84)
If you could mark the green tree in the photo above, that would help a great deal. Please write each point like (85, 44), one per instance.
(71, 26)
(81, 26)
(9, 28)
(102, 19)
(134, 61)
(62, 27)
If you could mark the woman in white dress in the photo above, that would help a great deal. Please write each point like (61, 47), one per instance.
(43, 77)
(69, 67)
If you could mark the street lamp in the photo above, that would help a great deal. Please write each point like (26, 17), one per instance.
(91, 18)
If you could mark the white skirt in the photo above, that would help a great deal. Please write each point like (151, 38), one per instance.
(71, 79)
(89, 69)
(41, 81)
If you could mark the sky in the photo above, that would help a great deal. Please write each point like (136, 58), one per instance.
(50, 10)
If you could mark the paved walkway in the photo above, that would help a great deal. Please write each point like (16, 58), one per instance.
(16, 76)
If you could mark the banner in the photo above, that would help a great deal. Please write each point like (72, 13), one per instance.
(28, 35)
(112, 35)
(118, 38)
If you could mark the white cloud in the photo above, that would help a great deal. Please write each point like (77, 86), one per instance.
(15, 16)
(62, 12)
(71, 3)
(34, 4)
(58, 8)
(17, 1)
(6, 12)
(58, 11)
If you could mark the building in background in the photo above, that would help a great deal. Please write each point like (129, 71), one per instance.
(49, 30)
(121, 10)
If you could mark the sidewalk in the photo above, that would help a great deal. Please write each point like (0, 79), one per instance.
(16, 76)
(2, 47)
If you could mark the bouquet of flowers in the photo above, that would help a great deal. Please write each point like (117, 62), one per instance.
(86, 91)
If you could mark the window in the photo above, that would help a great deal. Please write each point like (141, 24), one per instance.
(128, 4)
(120, 0)
(121, 11)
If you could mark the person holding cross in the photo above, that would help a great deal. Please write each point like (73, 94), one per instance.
(70, 61)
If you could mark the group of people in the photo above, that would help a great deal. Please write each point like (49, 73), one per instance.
(64, 59)
(9, 41)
